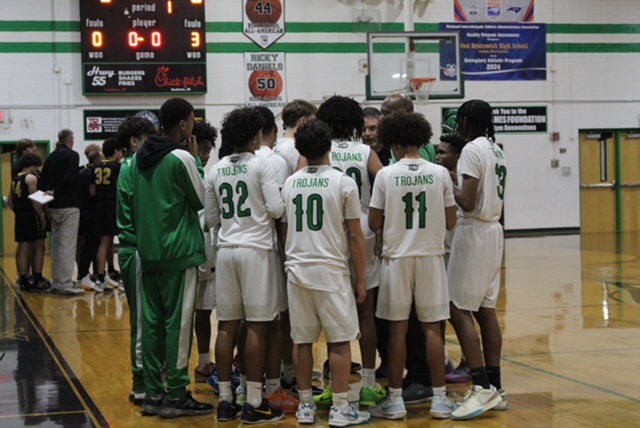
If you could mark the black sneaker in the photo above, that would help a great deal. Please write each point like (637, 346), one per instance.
(25, 284)
(228, 411)
(185, 406)
(115, 275)
(326, 370)
(151, 405)
(136, 398)
(314, 391)
(262, 414)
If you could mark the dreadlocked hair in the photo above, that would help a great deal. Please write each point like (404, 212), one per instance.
(344, 116)
(454, 140)
(475, 119)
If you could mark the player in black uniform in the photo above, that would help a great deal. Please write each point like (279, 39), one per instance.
(30, 220)
(104, 188)
(88, 239)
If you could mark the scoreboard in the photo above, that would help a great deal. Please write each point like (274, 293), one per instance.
(143, 47)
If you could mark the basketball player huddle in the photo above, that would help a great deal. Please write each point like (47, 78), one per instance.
(313, 234)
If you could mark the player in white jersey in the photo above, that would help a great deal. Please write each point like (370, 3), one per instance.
(358, 161)
(413, 204)
(206, 136)
(294, 114)
(322, 231)
(243, 198)
(494, 10)
(476, 257)
(280, 342)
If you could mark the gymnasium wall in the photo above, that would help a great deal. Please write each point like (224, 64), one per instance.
(591, 82)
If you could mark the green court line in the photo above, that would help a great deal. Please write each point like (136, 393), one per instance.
(324, 27)
(313, 48)
(568, 379)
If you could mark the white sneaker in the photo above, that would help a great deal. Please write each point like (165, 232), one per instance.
(441, 407)
(349, 416)
(103, 286)
(389, 409)
(121, 286)
(74, 290)
(87, 284)
(306, 413)
(477, 401)
(504, 400)
(111, 282)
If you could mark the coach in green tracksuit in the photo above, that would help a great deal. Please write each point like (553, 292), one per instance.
(132, 133)
(167, 193)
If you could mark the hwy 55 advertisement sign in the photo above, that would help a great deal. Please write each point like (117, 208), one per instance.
(502, 51)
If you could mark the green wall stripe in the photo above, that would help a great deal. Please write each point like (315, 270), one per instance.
(21, 26)
(324, 27)
(593, 29)
(314, 48)
(593, 47)
(39, 47)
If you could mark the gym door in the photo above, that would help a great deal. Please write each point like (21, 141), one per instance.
(609, 180)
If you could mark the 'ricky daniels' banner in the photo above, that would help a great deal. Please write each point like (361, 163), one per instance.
(502, 51)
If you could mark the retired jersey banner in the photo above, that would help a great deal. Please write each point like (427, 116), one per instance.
(502, 51)
(494, 10)
(263, 21)
(265, 74)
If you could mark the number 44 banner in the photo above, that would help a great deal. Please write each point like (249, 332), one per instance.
(263, 21)
(265, 74)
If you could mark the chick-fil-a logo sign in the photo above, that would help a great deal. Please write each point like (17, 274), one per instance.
(186, 83)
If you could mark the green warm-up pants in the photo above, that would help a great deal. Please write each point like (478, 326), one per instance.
(168, 301)
(132, 278)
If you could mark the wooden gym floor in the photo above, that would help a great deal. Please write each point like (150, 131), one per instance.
(569, 310)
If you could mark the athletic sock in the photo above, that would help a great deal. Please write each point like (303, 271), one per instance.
(225, 391)
(369, 378)
(243, 381)
(306, 396)
(340, 400)
(100, 277)
(479, 377)
(493, 373)
(271, 386)
(254, 393)
(395, 394)
(203, 360)
(440, 391)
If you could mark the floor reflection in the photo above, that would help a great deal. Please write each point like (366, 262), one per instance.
(36, 389)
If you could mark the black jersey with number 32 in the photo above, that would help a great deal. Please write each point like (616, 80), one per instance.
(105, 178)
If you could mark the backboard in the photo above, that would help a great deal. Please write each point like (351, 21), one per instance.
(395, 58)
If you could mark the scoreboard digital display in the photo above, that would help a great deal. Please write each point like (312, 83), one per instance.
(143, 46)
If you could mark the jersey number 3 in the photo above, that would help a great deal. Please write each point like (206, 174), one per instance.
(501, 172)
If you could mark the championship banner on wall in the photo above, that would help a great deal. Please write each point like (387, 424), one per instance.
(103, 124)
(502, 51)
(494, 10)
(505, 119)
(265, 75)
(263, 21)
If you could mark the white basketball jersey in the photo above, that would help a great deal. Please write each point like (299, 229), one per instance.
(243, 197)
(352, 158)
(318, 200)
(413, 195)
(286, 148)
(277, 163)
(485, 161)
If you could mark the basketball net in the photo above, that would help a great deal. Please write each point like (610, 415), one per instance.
(421, 87)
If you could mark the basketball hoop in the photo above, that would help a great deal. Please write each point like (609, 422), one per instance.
(421, 87)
